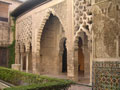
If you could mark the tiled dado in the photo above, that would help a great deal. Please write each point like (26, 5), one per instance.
(106, 75)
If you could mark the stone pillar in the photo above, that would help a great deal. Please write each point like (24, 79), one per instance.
(117, 47)
(70, 65)
(21, 60)
(27, 62)
(35, 63)
(27, 56)
(60, 62)
(17, 55)
(76, 64)
(21, 57)
(69, 44)
(16, 67)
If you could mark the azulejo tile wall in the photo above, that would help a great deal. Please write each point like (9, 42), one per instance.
(106, 75)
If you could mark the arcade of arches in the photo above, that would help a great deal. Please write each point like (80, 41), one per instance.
(51, 62)
(74, 39)
(52, 58)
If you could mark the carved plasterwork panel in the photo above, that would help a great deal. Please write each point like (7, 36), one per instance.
(24, 30)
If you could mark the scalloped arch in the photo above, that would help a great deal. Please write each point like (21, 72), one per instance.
(40, 30)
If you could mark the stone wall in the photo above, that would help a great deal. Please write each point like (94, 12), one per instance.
(4, 25)
(4, 33)
(4, 10)
(13, 4)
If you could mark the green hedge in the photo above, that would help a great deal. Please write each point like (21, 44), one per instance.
(27, 81)
(44, 86)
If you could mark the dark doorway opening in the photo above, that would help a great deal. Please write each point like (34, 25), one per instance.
(24, 63)
(30, 59)
(4, 57)
(64, 58)
(80, 58)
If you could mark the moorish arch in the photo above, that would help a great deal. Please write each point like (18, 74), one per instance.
(63, 55)
(40, 30)
(82, 56)
(82, 39)
(24, 56)
(49, 45)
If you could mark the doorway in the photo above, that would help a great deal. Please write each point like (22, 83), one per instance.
(80, 58)
(64, 58)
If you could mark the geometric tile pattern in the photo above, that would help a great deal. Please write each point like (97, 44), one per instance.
(106, 75)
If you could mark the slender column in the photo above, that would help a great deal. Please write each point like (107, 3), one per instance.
(27, 55)
(76, 64)
(35, 63)
(21, 61)
(92, 51)
(117, 47)
(60, 62)
(27, 62)
(21, 57)
(17, 56)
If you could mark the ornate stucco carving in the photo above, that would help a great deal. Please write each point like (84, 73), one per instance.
(82, 17)
(24, 30)
(106, 28)
(82, 21)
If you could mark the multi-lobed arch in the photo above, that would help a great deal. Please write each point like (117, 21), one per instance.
(40, 30)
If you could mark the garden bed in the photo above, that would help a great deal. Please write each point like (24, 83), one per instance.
(27, 81)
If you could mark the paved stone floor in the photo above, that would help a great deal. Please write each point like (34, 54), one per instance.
(1, 86)
(84, 81)
(73, 87)
(80, 87)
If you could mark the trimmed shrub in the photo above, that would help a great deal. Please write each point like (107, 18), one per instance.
(27, 81)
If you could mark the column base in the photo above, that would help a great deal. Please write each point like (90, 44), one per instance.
(16, 67)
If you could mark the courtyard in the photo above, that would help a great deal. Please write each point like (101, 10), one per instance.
(60, 44)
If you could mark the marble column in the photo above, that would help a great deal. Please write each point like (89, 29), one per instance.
(117, 46)
(76, 64)
(21, 60)
(27, 62)
(17, 55)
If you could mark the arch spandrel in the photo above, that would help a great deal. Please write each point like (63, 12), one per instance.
(82, 19)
